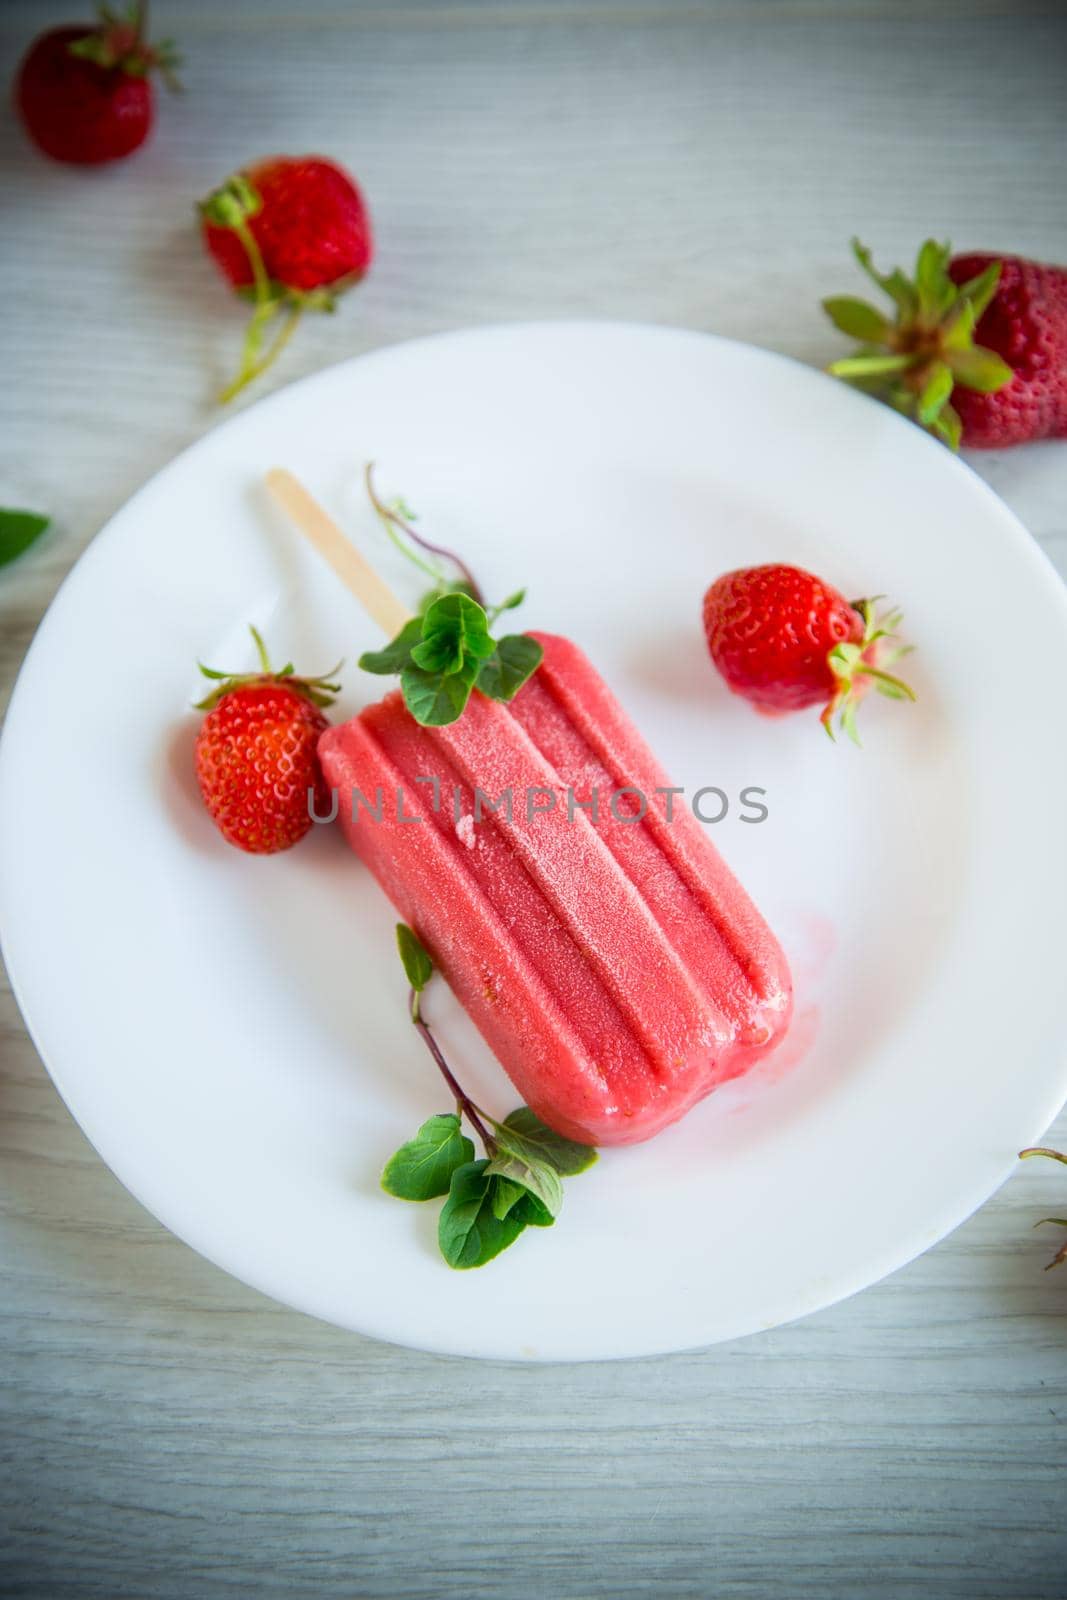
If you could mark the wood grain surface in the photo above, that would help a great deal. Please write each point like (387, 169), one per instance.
(166, 1431)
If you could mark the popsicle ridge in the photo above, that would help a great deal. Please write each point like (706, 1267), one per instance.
(567, 705)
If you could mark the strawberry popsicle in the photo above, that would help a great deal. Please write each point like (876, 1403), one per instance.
(606, 953)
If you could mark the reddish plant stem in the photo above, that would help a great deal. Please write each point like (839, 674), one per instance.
(409, 532)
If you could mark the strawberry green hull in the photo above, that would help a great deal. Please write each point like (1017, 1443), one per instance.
(616, 968)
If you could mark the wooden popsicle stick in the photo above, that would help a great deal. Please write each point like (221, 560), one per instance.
(320, 530)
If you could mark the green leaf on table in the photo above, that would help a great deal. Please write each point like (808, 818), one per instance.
(524, 1134)
(468, 1230)
(515, 659)
(18, 530)
(417, 962)
(423, 1167)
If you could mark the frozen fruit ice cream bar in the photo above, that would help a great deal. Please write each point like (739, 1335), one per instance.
(613, 963)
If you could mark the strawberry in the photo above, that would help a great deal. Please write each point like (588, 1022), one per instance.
(256, 756)
(290, 234)
(1007, 388)
(84, 93)
(784, 640)
(1026, 324)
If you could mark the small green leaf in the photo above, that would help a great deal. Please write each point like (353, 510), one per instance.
(524, 1134)
(895, 284)
(436, 699)
(423, 1167)
(510, 603)
(856, 318)
(18, 530)
(979, 291)
(417, 963)
(981, 369)
(935, 287)
(516, 658)
(949, 427)
(533, 1174)
(935, 393)
(467, 1231)
(397, 652)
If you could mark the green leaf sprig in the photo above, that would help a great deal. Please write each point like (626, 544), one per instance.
(490, 1201)
(447, 650)
(915, 355)
(18, 530)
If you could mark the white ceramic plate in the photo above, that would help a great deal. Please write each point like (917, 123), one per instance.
(230, 1032)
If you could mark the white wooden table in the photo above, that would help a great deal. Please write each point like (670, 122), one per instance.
(168, 1432)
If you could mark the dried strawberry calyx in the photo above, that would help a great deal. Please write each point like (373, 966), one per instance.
(320, 691)
(119, 42)
(861, 665)
(232, 205)
(914, 357)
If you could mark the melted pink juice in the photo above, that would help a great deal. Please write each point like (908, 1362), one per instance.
(617, 969)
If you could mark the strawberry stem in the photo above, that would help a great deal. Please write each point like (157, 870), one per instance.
(230, 207)
(252, 364)
(261, 649)
(320, 690)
